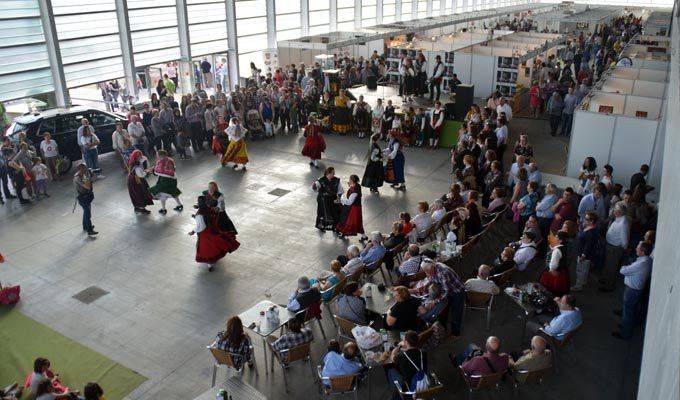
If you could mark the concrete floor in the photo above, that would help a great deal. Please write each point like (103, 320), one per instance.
(163, 308)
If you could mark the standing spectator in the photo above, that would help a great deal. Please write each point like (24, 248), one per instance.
(504, 108)
(501, 138)
(118, 140)
(193, 116)
(587, 243)
(50, 151)
(635, 280)
(39, 173)
(617, 238)
(6, 155)
(638, 179)
(136, 132)
(85, 194)
(206, 75)
(555, 108)
(535, 99)
(593, 202)
(563, 210)
(570, 102)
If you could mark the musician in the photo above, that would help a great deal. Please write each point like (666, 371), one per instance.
(436, 82)
(408, 75)
(421, 75)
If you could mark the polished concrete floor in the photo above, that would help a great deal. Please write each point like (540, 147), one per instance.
(162, 308)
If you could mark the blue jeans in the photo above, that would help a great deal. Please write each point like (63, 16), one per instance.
(87, 214)
(394, 376)
(456, 305)
(631, 299)
(91, 158)
(566, 124)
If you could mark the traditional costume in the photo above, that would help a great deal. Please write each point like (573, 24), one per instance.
(408, 74)
(314, 142)
(557, 284)
(376, 118)
(138, 187)
(166, 186)
(436, 122)
(362, 112)
(351, 221)
(387, 120)
(215, 201)
(394, 170)
(213, 244)
(236, 151)
(327, 210)
(374, 174)
(419, 128)
(342, 121)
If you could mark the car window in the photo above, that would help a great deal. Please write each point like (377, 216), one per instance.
(18, 127)
(66, 123)
(46, 125)
(98, 119)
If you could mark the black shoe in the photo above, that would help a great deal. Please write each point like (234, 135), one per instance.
(605, 289)
(210, 268)
(11, 196)
(179, 208)
(618, 312)
(92, 233)
(244, 168)
(311, 164)
(24, 201)
(163, 211)
(235, 166)
(618, 335)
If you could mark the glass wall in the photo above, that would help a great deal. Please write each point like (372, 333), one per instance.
(251, 27)
(368, 11)
(319, 16)
(153, 27)
(422, 9)
(207, 26)
(288, 20)
(389, 11)
(406, 10)
(25, 69)
(345, 15)
(88, 39)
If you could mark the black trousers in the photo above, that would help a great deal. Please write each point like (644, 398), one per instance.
(5, 181)
(435, 84)
(196, 135)
(19, 183)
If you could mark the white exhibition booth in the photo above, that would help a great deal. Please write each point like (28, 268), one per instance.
(619, 123)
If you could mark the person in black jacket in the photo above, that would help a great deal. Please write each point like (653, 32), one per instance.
(407, 360)
(304, 296)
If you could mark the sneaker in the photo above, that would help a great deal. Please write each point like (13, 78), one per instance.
(163, 211)
(179, 208)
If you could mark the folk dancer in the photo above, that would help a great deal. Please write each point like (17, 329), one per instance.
(138, 187)
(394, 170)
(212, 244)
(376, 117)
(436, 122)
(351, 220)
(314, 142)
(215, 201)
(236, 151)
(341, 113)
(374, 175)
(329, 190)
(166, 186)
(362, 111)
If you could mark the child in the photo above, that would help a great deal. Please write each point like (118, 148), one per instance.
(419, 127)
(40, 172)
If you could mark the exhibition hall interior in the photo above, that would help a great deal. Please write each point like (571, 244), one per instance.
(361, 199)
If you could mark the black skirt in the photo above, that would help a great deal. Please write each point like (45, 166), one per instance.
(225, 224)
(327, 213)
(374, 175)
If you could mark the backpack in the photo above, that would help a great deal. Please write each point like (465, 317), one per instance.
(419, 381)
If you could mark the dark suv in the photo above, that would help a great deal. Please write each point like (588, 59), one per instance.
(63, 124)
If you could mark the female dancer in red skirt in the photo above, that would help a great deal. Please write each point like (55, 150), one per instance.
(351, 221)
(138, 187)
(556, 278)
(213, 244)
(314, 142)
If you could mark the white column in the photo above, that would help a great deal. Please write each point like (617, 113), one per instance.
(397, 10)
(304, 15)
(232, 42)
(126, 46)
(271, 23)
(184, 45)
(357, 14)
(379, 12)
(333, 21)
(54, 53)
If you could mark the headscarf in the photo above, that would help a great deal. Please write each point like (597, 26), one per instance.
(135, 157)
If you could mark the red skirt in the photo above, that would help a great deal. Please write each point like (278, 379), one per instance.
(558, 284)
(213, 245)
(351, 222)
(218, 145)
(314, 146)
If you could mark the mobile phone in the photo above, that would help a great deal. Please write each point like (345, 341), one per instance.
(252, 326)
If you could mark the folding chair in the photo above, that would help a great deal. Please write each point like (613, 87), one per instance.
(374, 268)
(484, 382)
(399, 250)
(311, 313)
(529, 377)
(345, 327)
(297, 353)
(226, 359)
(436, 387)
(480, 301)
(338, 385)
(557, 344)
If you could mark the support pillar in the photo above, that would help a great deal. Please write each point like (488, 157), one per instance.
(126, 47)
(61, 94)
(232, 36)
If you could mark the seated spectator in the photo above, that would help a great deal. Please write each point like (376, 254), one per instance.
(328, 281)
(537, 357)
(406, 224)
(296, 336)
(473, 224)
(453, 199)
(304, 296)
(422, 220)
(491, 361)
(407, 360)
(351, 262)
(432, 304)
(526, 251)
(336, 364)
(373, 251)
(497, 201)
(504, 262)
(41, 370)
(412, 261)
(46, 391)
(481, 283)
(351, 306)
(532, 226)
(395, 238)
(403, 315)
(569, 318)
(437, 211)
(92, 391)
(535, 174)
(233, 340)
(465, 189)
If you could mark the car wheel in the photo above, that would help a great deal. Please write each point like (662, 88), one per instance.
(64, 165)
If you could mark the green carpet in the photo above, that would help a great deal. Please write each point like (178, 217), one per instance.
(22, 340)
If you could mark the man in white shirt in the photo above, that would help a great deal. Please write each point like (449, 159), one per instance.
(534, 174)
(50, 150)
(514, 170)
(501, 138)
(436, 81)
(617, 238)
(352, 262)
(526, 251)
(504, 107)
(136, 131)
(83, 123)
(118, 140)
(481, 283)
(636, 276)
(422, 220)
